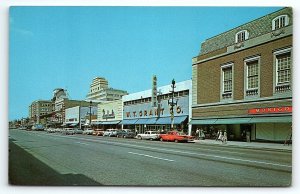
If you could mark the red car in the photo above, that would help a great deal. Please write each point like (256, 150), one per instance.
(176, 137)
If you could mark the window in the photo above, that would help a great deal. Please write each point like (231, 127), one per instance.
(227, 80)
(280, 22)
(252, 76)
(283, 63)
(283, 68)
(241, 36)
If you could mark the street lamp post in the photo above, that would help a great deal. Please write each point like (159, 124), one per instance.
(172, 103)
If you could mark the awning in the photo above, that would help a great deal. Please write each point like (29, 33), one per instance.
(232, 121)
(141, 121)
(167, 120)
(280, 119)
(128, 121)
(96, 122)
(151, 121)
(273, 119)
(203, 121)
(110, 122)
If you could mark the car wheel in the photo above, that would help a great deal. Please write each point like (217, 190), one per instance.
(124, 136)
(176, 141)
(150, 139)
(139, 137)
(161, 139)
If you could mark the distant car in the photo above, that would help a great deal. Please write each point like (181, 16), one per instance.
(22, 128)
(150, 135)
(68, 131)
(110, 132)
(38, 127)
(78, 131)
(125, 133)
(88, 131)
(98, 132)
(176, 137)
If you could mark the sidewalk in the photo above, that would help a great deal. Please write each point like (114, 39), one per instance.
(256, 145)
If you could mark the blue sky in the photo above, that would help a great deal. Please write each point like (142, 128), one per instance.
(51, 47)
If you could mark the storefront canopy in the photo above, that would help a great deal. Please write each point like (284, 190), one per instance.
(128, 121)
(247, 120)
(110, 122)
(96, 122)
(151, 121)
(141, 121)
(167, 120)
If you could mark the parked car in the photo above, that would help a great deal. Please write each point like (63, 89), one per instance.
(88, 131)
(125, 133)
(68, 131)
(38, 127)
(78, 131)
(110, 132)
(176, 137)
(151, 135)
(98, 132)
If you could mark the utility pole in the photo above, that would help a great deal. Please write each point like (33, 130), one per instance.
(172, 104)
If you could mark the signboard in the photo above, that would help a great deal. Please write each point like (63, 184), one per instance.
(270, 110)
(145, 110)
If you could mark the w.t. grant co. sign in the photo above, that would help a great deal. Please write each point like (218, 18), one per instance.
(270, 110)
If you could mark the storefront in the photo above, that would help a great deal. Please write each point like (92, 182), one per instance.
(140, 115)
(261, 124)
(79, 116)
(109, 115)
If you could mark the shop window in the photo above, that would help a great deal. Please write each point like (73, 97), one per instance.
(283, 63)
(280, 22)
(227, 81)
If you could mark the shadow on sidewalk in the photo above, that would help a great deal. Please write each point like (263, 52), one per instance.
(25, 169)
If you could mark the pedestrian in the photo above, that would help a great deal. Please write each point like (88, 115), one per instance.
(197, 133)
(224, 138)
(218, 134)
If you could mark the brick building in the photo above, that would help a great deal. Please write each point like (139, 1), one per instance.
(242, 80)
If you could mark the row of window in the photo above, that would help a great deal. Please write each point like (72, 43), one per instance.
(277, 23)
(282, 72)
(159, 97)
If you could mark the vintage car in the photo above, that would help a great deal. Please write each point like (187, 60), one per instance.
(176, 137)
(150, 135)
(110, 132)
(88, 131)
(125, 133)
(78, 131)
(68, 131)
(98, 132)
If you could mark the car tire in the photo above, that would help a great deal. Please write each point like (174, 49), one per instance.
(161, 139)
(176, 140)
(139, 137)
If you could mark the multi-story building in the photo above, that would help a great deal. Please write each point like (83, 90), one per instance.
(80, 116)
(242, 80)
(38, 109)
(151, 110)
(99, 91)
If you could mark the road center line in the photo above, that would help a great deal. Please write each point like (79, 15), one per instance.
(150, 156)
(82, 143)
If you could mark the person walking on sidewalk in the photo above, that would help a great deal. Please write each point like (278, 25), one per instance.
(218, 134)
(224, 138)
(197, 134)
(220, 138)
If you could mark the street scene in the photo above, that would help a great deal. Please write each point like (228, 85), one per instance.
(150, 96)
(54, 159)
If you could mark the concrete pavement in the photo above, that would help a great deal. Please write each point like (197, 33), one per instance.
(256, 145)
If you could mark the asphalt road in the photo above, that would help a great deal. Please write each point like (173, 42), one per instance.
(39, 158)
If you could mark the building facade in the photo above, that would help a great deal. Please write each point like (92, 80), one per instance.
(79, 116)
(99, 91)
(242, 80)
(38, 109)
(109, 114)
(141, 113)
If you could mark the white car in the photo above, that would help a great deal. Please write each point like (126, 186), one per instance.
(88, 131)
(110, 132)
(151, 135)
